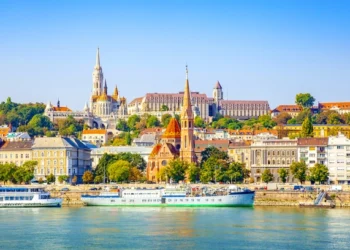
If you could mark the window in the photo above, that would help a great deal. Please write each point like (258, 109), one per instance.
(27, 156)
(293, 153)
(42, 154)
(340, 147)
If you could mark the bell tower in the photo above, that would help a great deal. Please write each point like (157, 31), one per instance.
(187, 139)
(97, 76)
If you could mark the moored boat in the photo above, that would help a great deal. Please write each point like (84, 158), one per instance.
(27, 197)
(174, 196)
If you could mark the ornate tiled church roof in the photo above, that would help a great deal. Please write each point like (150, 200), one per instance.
(173, 129)
(155, 150)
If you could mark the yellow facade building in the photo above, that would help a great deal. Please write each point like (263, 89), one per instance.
(16, 152)
(320, 130)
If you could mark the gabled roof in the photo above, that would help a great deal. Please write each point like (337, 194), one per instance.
(155, 150)
(217, 85)
(16, 145)
(61, 109)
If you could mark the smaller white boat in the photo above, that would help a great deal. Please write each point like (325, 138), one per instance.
(27, 197)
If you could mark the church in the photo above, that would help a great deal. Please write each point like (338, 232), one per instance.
(176, 142)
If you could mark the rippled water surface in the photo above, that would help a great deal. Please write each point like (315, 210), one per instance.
(174, 228)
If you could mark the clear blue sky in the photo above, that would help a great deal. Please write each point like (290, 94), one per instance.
(258, 50)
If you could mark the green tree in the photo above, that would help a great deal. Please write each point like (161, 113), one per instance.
(236, 171)
(164, 108)
(307, 129)
(266, 121)
(199, 122)
(213, 169)
(7, 171)
(119, 171)
(132, 121)
(88, 177)
(334, 118)
(282, 118)
(70, 126)
(152, 121)
(177, 170)
(305, 100)
(298, 169)
(165, 119)
(319, 173)
(292, 121)
(122, 125)
(266, 176)
(213, 152)
(135, 174)
(128, 139)
(98, 179)
(192, 173)
(74, 179)
(300, 118)
(50, 178)
(283, 173)
(62, 178)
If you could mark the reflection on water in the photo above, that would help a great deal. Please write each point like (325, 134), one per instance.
(175, 228)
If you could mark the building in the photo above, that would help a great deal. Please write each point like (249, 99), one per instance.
(95, 136)
(103, 110)
(210, 134)
(340, 107)
(248, 134)
(338, 159)
(293, 110)
(103, 106)
(17, 136)
(145, 140)
(320, 130)
(4, 130)
(61, 156)
(268, 152)
(97, 153)
(312, 150)
(17, 152)
(176, 142)
(239, 151)
(202, 105)
(58, 112)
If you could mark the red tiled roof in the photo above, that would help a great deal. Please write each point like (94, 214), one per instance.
(173, 129)
(340, 105)
(61, 109)
(94, 131)
(312, 141)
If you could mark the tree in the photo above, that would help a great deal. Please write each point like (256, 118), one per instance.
(235, 172)
(165, 119)
(192, 172)
(98, 179)
(283, 173)
(122, 125)
(50, 178)
(62, 178)
(70, 126)
(307, 129)
(282, 118)
(266, 121)
(163, 174)
(199, 122)
(300, 118)
(213, 152)
(74, 179)
(128, 138)
(334, 118)
(267, 176)
(88, 177)
(132, 121)
(119, 171)
(164, 108)
(177, 170)
(319, 173)
(213, 169)
(322, 117)
(152, 121)
(298, 169)
(305, 100)
(135, 174)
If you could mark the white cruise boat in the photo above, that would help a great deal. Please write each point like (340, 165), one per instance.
(27, 197)
(174, 196)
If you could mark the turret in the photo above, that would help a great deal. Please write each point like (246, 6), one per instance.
(218, 94)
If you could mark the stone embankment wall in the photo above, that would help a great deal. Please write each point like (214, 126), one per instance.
(262, 198)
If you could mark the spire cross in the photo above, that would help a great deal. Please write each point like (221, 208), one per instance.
(186, 72)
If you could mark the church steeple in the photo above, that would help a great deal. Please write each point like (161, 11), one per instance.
(105, 88)
(115, 93)
(187, 139)
(98, 58)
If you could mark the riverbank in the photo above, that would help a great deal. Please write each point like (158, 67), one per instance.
(262, 197)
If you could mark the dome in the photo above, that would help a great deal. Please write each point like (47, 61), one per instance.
(173, 129)
(103, 98)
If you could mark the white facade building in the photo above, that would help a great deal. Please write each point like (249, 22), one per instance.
(339, 159)
(312, 151)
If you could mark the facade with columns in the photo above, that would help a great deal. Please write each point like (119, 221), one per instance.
(176, 142)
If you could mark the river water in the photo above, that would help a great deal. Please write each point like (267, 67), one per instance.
(174, 228)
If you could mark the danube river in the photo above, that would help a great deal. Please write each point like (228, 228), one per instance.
(174, 228)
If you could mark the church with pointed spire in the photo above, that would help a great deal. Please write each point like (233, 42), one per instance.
(177, 141)
(103, 106)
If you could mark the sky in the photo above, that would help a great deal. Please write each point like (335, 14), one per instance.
(258, 50)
